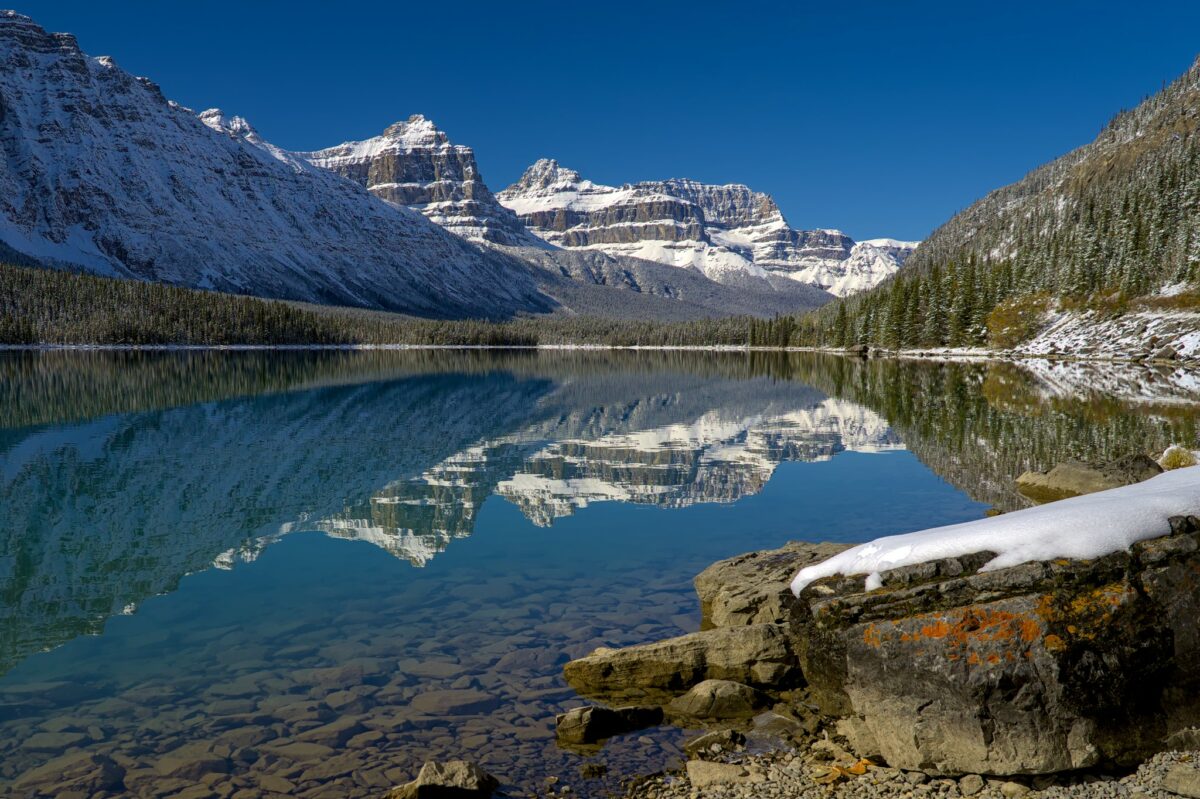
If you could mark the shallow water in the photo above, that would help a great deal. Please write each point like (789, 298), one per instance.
(252, 570)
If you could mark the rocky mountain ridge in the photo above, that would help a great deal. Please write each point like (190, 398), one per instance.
(101, 172)
(725, 232)
(412, 163)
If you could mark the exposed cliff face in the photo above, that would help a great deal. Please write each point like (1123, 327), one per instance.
(100, 171)
(727, 232)
(413, 163)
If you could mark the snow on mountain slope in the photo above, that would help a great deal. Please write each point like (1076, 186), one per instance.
(413, 164)
(869, 263)
(727, 232)
(100, 171)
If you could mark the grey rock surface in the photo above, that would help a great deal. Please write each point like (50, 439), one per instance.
(716, 699)
(753, 588)
(756, 655)
(454, 779)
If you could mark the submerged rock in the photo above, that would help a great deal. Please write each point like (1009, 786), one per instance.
(1038, 668)
(84, 772)
(1074, 478)
(756, 655)
(455, 779)
(588, 725)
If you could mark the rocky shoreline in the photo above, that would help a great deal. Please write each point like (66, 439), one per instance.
(1056, 679)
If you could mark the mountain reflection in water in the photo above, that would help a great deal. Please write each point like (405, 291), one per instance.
(122, 473)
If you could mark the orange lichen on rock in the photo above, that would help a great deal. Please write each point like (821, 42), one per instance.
(978, 634)
(1085, 615)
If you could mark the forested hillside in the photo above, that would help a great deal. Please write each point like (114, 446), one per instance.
(1112, 226)
(40, 306)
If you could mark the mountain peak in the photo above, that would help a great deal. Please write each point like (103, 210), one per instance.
(414, 164)
(542, 174)
(233, 126)
(28, 34)
(416, 131)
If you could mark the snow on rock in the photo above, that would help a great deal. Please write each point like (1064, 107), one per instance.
(727, 232)
(1082, 527)
(102, 172)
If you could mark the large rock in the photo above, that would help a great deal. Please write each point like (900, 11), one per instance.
(588, 725)
(758, 655)
(1037, 668)
(716, 699)
(1073, 478)
(753, 588)
(1184, 780)
(455, 779)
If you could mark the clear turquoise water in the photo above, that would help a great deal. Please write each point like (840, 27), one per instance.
(233, 563)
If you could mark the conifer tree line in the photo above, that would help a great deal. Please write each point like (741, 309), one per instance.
(1112, 222)
(43, 306)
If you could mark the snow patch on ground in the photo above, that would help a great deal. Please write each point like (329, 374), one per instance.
(1131, 335)
(1080, 527)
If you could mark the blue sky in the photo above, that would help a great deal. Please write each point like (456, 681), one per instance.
(879, 118)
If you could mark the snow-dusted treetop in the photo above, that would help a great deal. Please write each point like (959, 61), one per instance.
(1088, 526)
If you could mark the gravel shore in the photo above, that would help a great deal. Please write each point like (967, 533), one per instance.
(794, 776)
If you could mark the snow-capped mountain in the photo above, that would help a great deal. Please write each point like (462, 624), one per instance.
(413, 164)
(869, 260)
(101, 171)
(726, 232)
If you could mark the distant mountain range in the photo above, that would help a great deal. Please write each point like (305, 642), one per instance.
(723, 231)
(101, 172)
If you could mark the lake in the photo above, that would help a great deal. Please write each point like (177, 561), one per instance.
(305, 573)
